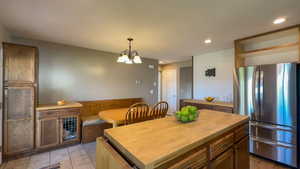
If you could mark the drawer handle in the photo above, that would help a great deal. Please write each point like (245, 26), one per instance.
(272, 143)
(272, 127)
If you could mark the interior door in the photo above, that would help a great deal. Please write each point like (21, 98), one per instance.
(278, 94)
(169, 88)
(186, 83)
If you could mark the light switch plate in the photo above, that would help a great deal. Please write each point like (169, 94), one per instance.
(151, 66)
(151, 91)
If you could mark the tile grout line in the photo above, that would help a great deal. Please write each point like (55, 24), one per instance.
(4, 165)
(70, 157)
(49, 158)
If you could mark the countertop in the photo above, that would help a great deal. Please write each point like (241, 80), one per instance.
(54, 106)
(152, 142)
(209, 103)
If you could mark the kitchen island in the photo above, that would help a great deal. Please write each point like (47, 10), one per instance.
(217, 140)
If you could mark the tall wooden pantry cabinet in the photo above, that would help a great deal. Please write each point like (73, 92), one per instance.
(20, 98)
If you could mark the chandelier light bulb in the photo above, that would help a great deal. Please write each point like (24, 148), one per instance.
(137, 59)
(129, 56)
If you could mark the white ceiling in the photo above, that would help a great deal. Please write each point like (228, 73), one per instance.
(168, 30)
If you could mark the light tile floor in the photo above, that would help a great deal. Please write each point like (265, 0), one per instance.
(82, 156)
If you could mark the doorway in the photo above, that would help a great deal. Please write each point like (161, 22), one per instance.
(169, 88)
(186, 83)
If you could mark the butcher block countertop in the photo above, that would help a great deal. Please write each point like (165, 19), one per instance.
(52, 107)
(209, 103)
(152, 142)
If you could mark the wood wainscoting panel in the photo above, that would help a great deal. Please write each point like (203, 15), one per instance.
(94, 107)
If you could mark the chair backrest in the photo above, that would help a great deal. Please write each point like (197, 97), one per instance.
(159, 110)
(137, 113)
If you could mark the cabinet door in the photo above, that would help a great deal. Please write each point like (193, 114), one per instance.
(107, 157)
(18, 119)
(224, 161)
(48, 132)
(242, 154)
(69, 128)
(19, 63)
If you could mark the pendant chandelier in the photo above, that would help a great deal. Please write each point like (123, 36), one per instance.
(129, 56)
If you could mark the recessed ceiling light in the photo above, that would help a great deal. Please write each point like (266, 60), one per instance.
(279, 21)
(161, 62)
(207, 41)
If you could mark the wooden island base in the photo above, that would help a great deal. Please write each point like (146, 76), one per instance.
(224, 145)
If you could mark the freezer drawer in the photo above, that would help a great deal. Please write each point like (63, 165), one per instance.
(276, 133)
(280, 152)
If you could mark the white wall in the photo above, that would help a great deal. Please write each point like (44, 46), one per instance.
(220, 86)
(4, 36)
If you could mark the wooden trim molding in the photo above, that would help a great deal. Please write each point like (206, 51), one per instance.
(270, 32)
(240, 54)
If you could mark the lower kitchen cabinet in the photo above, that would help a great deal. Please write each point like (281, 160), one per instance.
(227, 151)
(241, 154)
(56, 127)
(224, 161)
(48, 130)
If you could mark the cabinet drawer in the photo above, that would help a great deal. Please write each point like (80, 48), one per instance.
(223, 109)
(220, 145)
(47, 114)
(69, 112)
(224, 161)
(241, 132)
(194, 159)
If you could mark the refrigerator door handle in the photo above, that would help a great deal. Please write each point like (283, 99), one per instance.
(237, 91)
(261, 90)
(255, 94)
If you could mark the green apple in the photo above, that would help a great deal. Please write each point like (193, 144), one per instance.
(184, 119)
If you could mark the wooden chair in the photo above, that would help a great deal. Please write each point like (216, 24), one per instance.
(137, 113)
(159, 110)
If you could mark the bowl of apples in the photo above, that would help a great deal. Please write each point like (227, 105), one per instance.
(187, 114)
(209, 99)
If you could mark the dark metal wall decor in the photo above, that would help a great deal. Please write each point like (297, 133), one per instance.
(210, 72)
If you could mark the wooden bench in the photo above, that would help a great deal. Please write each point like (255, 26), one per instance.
(92, 126)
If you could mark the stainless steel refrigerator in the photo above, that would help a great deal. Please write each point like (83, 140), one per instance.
(268, 95)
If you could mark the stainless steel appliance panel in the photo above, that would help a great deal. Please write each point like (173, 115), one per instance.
(274, 133)
(277, 93)
(283, 153)
(247, 84)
